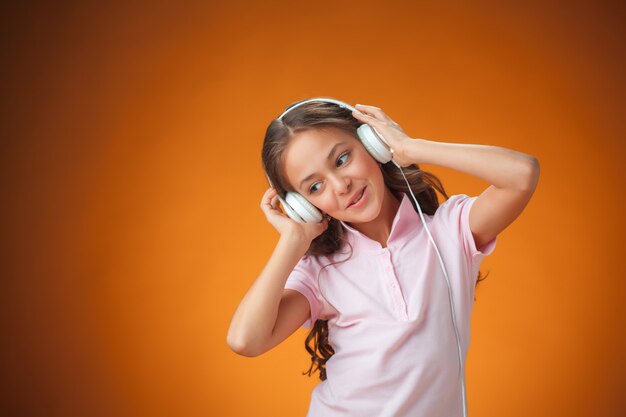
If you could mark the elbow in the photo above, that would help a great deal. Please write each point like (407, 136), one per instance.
(531, 174)
(240, 347)
(534, 176)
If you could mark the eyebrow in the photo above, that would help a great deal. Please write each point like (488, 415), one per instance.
(330, 156)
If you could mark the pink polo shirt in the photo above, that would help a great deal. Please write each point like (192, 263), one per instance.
(389, 317)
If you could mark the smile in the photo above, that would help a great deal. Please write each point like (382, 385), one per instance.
(358, 202)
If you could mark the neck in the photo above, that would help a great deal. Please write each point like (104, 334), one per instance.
(379, 229)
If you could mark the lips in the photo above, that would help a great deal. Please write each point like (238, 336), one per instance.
(358, 193)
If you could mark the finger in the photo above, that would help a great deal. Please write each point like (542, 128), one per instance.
(366, 107)
(376, 112)
(267, 198)
(369, 119)
(323, 225)
(274, 201)
(271, 208)
(276, 205)
(372, 111)
(267, 193)
(271, 202)
(366, 118)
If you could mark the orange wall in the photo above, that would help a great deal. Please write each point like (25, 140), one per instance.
(131, 140)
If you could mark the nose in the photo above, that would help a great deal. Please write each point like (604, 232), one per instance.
(341, 184)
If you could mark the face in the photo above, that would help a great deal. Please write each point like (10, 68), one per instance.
(329, 167)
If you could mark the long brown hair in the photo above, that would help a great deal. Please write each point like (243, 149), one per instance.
(314, 115)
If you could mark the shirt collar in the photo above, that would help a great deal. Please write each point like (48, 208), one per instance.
(405, 222)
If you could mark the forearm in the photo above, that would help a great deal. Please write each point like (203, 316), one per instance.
(501, 167)
(255, 317)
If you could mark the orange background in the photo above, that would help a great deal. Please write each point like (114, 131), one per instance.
(132, 179)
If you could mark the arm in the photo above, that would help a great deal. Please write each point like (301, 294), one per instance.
(513, 175)
(268, 313)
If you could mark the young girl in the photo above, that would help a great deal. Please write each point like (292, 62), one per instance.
(386, 285)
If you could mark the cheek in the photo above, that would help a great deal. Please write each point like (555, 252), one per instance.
(368, 163)
(377, 178)
(325, 203)
(368, 167)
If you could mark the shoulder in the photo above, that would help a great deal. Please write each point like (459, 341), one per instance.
(453, 207)
(311, 267)
(455, 200)
(308, 264)
(453, 214)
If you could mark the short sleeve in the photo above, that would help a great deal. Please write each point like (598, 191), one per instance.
(303, 279)
(454, 214)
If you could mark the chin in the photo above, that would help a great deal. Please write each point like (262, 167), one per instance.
(366, 216)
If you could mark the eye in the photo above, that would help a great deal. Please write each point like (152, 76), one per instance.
(311, 190)
(342, 155)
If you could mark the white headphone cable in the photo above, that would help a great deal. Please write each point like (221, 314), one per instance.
(456, 332)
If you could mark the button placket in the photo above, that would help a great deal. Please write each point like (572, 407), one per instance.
(399, 305)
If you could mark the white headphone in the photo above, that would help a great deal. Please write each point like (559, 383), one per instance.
(295, 204)
(301, 210)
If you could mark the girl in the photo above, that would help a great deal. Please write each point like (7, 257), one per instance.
(389, 312)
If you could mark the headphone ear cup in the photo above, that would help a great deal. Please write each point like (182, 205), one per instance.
(290, 211)
(306, 211)
(374, 144)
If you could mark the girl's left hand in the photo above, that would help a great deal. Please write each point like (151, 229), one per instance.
(392, 133)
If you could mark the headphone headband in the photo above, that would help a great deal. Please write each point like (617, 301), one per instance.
(322, 99)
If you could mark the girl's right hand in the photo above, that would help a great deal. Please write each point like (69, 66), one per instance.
(284, 224)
